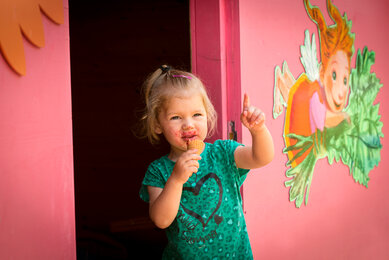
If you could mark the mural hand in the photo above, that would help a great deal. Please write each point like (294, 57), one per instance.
(252, 117)
(347, 117)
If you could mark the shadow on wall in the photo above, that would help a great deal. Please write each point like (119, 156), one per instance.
(114, 46)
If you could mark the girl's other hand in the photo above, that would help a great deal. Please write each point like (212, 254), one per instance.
(185, 166)
(252, 118)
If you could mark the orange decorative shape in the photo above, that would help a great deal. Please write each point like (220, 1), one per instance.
(11, 43)
(22, 17)
(30, 22)
(53, 9)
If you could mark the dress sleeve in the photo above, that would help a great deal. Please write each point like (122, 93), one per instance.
(230, 147)
(153, 177)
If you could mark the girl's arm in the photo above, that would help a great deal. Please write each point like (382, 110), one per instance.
(164, 203)
(262, 150)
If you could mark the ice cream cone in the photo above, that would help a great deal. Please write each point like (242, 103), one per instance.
(196, 144)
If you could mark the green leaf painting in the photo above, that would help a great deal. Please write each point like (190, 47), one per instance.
(359, 145)
(319, 121)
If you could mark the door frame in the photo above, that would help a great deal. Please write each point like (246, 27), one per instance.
(215, 44)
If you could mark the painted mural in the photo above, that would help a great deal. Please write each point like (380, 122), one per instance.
(330, 109)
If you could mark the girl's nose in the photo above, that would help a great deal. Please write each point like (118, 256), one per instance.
(188, 124)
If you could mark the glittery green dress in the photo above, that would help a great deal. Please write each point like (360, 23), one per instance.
(210, 223)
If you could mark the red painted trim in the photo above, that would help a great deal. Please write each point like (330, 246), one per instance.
(216, 57)
(208, 56)
(192, 13)
(232, 64)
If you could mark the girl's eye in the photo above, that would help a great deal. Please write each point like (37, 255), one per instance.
(334, 75)
(345, 81)
(174, 118)
(197, 114)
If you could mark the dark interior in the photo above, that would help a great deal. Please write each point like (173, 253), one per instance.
(114, 45)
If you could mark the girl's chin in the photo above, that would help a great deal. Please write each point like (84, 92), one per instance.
(181, 147)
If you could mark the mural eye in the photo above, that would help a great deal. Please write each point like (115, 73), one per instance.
(334, 75)
(345, 81)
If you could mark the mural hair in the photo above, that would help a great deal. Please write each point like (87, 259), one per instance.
(334, 37)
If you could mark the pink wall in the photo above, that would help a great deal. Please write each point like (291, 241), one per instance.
(343, 220)
(36, 155)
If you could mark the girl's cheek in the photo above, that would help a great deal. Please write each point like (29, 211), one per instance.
(177, 135)
(172, 132)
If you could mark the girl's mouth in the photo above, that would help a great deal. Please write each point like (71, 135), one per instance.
(187, 136)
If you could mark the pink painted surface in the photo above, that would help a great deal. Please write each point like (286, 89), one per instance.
(36, 158)
(230, 27)
(216, 57)
(343, 220)
(208, 56)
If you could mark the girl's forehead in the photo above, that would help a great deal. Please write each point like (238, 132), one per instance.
(182, 93)
(186, 99)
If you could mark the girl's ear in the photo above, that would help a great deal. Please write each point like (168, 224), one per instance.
(158, 129)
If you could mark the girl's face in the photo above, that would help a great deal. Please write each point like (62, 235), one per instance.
(182, 118)
(336, 81)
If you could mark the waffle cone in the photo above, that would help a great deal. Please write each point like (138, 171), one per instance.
(196, 144)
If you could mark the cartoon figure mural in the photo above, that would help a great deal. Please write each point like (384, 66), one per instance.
(319, 122)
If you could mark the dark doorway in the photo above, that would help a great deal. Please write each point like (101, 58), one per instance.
(114, 45)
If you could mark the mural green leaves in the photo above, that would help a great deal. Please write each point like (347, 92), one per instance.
(359, 146)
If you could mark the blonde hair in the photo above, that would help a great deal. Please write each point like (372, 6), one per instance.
(335, 37)
(163, 84)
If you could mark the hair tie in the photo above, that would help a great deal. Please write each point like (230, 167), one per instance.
(181, 76)
(165, 68)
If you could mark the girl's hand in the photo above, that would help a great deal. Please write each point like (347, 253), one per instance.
(185, 166)
(252, 117)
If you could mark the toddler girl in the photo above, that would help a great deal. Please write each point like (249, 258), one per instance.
(202, 212)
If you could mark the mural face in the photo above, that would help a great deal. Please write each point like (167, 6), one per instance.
(330, 108)
(336, 81)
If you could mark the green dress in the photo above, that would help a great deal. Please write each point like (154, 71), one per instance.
(210, 223)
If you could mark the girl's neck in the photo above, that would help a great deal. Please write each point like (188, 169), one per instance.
(173, 155)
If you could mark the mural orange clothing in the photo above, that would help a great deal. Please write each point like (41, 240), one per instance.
(304, 115)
